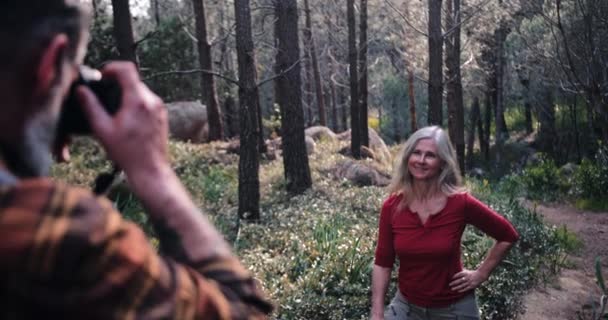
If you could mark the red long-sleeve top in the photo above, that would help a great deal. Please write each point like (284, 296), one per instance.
(429, 254)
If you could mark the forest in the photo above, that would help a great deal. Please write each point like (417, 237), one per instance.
(286, 117)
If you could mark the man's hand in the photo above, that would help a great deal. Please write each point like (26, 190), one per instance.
(136, 136)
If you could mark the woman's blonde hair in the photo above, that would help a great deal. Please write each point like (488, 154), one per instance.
(449, 180)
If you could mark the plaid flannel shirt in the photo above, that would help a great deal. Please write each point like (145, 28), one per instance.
(67, 254)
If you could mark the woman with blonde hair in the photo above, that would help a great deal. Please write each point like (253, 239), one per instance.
(422, 222)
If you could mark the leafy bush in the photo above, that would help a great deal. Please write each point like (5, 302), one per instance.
(590, 182)
(313, 253)
(543, 181)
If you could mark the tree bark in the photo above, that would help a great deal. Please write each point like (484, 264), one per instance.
(232, 117)
(289, 97)
(312, 53)
(363, 112)
(249, 162)
(123, 30)
(500, 136)
(355, 114)
(435, 85)
(410, 74)
(207, 81)
(454, 82)
(487, 122)
(474, 120)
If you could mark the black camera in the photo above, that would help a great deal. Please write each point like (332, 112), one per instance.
(72, 120)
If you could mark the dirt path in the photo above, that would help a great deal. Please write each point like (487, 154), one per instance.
(575, 286)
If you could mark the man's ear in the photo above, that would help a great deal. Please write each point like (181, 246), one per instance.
(49, 64)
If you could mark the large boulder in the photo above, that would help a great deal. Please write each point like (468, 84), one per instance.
(320, 132)
(377, 148)
(360, 174)
(188, 121)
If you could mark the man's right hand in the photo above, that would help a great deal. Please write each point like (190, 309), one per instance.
(136, 136)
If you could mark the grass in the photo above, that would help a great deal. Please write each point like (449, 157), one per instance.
(313, 253)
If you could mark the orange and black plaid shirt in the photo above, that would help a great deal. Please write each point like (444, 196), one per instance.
(67, 254)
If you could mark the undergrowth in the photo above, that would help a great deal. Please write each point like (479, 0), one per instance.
(313, 253)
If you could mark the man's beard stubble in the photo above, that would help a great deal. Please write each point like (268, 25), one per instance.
(31, 156)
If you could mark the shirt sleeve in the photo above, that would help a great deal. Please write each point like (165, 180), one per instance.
(385, 252)
(489, 221)
(73, 254)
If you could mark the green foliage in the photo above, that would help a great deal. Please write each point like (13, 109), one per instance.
(394, 110)
(596, 310)
(535, 257)
(313, 253)
(543, 181)
(170, 49)
(590, 182)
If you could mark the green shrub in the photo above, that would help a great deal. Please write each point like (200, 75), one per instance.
(590, 182)
(543, 181)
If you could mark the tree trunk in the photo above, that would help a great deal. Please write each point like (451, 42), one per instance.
(484, 144)
(475, 120)
(232, 117)
(312, 53)
(155, 5)
(249, 162)
(454, 82)
(546, 117)
(410, 74)
(435, 85)
(363, 113)
(355, 114)
(500, 136)
(123, 30)
(333, 93)
(208, 93)
(289, 97)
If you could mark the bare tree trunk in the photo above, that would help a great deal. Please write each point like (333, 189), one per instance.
(332, 92)
(500, 136)
(289, 97)
(410, 74)
(311, 48)
(475, 120)
(487, 122)
(435, 85)
(156, 12)
(232, 117)
(546, 116)
(123, 30)
(454, 82)
(208, 93)
(355, 114)
(249, 100)
(363, 113)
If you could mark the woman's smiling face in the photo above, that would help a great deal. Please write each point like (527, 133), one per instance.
(424, 163)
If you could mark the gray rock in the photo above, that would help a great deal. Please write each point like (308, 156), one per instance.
(188, 121)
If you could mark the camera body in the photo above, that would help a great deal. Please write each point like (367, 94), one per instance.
(72, 120)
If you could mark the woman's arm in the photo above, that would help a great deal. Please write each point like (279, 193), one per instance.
(470, 279)
(380, 279)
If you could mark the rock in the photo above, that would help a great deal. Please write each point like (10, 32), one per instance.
(568, 169)
(310, 145)
(360, 174)
(320, 132)
(377, 148)
(476, 173)
(188, 121)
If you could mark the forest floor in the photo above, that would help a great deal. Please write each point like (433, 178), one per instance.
(564, 296)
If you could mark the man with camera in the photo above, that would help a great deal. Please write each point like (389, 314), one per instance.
(65, 253)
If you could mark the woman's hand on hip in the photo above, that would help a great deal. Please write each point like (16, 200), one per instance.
(467, 280)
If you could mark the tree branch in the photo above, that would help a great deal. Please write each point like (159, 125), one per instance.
(182, 72)
(282, 73)
(390, 4)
